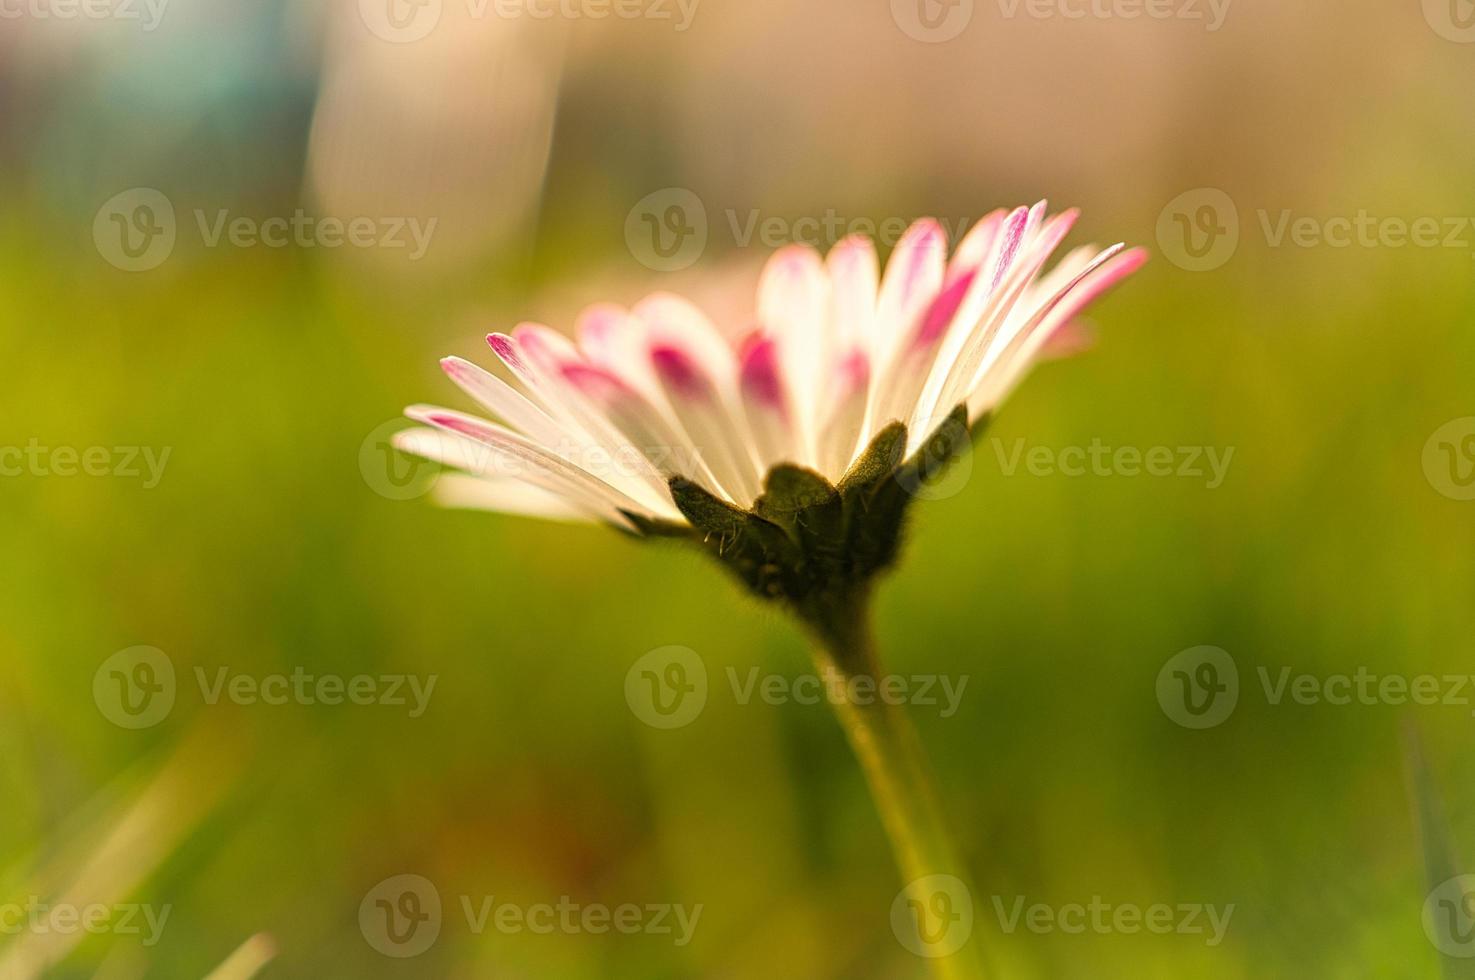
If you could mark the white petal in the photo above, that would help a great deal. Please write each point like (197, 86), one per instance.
(977, 243)
(513, 455)
(1014, 260)
(711, 423)
(840, 438)
(481, 462)
(1003, 372)
(854, 280)
(547, 353)
(467, 455)
(661, 442)
(793, 308)
(767, 405)
(500, 398)
(913, 276)
(669, 319)
(992, 333)
(616, 340)
(507, 497)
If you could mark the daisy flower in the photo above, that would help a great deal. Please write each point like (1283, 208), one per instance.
(791, 455)
(657, 397)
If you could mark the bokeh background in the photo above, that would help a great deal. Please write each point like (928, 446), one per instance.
(280, 535)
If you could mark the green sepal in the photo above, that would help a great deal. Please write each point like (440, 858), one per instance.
(708, 514)
(789, 490)
(877, 519)
(880, 459)
(808, 542)
(946, 443)
(758, 551)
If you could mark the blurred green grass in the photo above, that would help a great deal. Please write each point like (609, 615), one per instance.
(263, 549)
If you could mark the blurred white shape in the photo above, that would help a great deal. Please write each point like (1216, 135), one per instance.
(247, 960)
(116, 845)
(452, 125)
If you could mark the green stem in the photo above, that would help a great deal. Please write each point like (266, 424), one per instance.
(900, 780)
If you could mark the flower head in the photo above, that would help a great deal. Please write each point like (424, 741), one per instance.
(789, 451)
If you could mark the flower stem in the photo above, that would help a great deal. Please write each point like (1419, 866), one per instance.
(900, 780)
